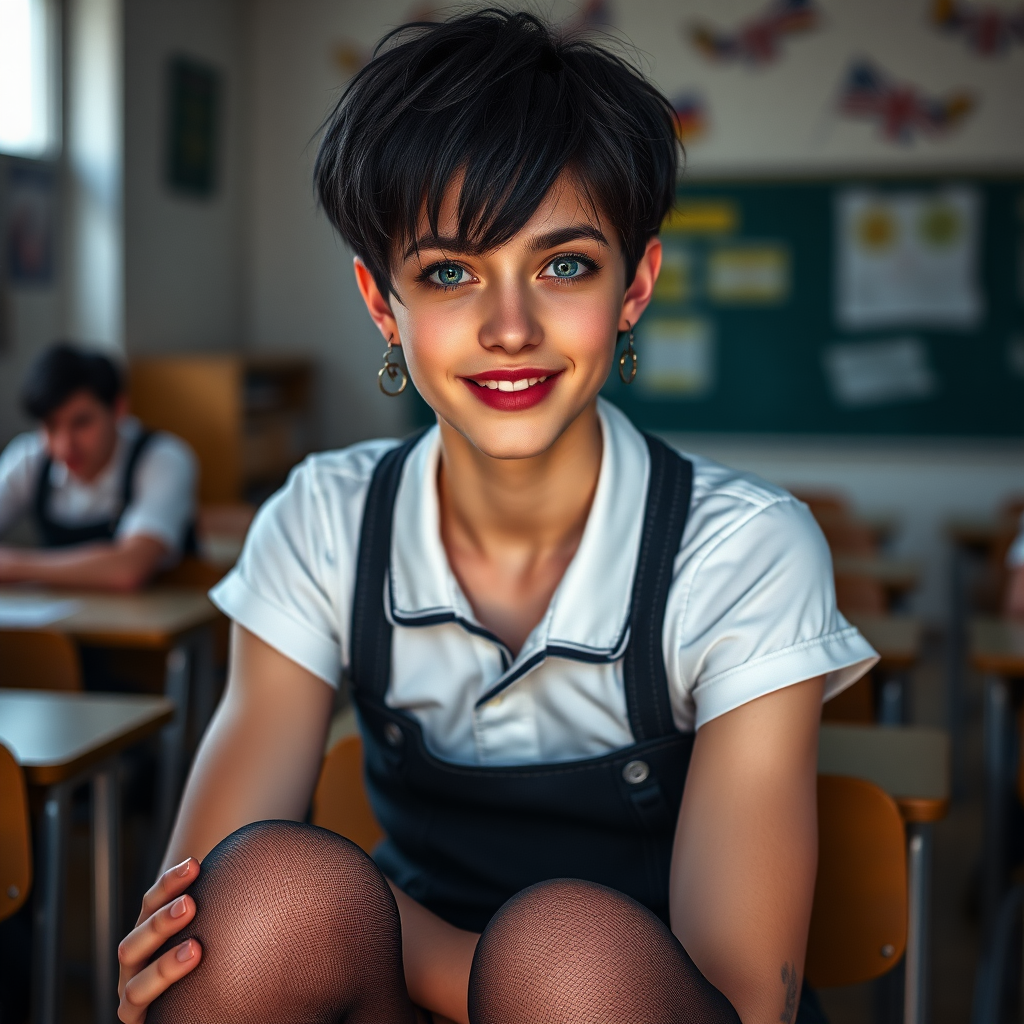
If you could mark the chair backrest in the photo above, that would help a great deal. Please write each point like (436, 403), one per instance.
(339, 802)
(859, 920)
(39, 660)
(848, 537)
(823, 503)
(859, 593)
(15, 843)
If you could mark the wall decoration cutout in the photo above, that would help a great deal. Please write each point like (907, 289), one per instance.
(691, 116)
(908, 258)
(900, 110)
(988, 31)
(759, 41)
(675, 282)
(702, 217)
(870, 373)
(677, 356)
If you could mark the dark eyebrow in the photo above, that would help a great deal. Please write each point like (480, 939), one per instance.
(549, 240)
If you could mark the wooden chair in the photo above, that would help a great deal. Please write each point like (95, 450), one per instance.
(340, 802)
(823, 503)
(855, 704)
(859, 919)
(15, 840)
(39, 660)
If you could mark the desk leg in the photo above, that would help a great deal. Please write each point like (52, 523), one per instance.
(47, 975)
(172, 741)
(106, 835)
(956, 664)
(919, 857)
(997, 752)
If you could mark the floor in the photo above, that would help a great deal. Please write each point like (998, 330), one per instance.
(955, 936)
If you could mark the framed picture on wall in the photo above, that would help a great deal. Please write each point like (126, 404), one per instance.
(194, 96)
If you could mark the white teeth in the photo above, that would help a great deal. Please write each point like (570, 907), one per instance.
(510, 385)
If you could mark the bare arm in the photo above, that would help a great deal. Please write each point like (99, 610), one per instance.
(105, 565)
(746, 850)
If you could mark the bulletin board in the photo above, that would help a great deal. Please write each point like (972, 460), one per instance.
(869, 306)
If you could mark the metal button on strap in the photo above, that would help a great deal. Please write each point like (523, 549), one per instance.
(394, 735)
(636, 772)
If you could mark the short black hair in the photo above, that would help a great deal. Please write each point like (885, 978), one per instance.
(62, 371)
(503, 99)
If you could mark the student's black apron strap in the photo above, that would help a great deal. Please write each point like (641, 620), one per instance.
(462, 839)
(55, 535)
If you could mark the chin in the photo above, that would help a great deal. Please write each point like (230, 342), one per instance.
(515, 436)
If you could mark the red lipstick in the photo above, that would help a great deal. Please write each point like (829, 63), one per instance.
(512, 390)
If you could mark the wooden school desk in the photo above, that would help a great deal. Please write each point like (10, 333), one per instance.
(912, 765)
(897, 639)
(997, 651)
(177, 622)
(62, 740)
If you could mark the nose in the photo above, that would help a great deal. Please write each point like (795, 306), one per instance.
(509, 325)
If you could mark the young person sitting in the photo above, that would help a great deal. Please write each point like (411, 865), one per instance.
(588, 670)
(112, 503)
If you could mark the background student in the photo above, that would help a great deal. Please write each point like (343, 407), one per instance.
(112, 503)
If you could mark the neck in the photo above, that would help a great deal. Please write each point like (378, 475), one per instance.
(542, 502)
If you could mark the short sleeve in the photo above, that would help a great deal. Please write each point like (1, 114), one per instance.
(758, 613)
(164, 494)
(292, 586)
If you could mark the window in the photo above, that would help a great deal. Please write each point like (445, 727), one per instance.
(29, 78)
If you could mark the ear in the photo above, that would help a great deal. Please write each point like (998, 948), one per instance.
(638, 294)
(377, 304)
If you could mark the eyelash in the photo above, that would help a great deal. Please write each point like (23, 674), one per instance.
(588, 261)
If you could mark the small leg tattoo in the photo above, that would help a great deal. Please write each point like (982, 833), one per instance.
(789, 980)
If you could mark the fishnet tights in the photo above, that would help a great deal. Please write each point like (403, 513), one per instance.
(298, 926)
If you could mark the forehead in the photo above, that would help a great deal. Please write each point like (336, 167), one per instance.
(80, 403)
(565, 205)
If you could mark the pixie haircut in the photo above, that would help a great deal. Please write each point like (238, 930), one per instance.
(64, 370)
(500, 100)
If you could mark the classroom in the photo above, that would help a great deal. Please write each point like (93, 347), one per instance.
(832, 308)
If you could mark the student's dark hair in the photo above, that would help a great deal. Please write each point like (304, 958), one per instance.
(62, 371)
(503, 100)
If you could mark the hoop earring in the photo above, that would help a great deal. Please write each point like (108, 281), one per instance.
(392, 371)
(627, 377)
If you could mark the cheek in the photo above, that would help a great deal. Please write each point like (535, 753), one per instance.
(430, 338)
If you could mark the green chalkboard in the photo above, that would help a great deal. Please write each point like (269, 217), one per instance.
(766, 356)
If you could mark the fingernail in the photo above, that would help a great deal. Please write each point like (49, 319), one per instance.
(178, 907)
(185, 951)
(182, 868)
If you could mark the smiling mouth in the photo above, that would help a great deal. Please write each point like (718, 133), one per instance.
(510, 385)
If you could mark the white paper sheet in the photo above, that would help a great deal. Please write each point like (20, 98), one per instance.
(30, 612)
(908, 259)
(869, 373)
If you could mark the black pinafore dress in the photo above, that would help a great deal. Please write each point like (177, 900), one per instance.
(463, 839)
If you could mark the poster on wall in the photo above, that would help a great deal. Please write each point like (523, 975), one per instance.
(908, 259)
(193, 116)
(874, 373)
(31, 224)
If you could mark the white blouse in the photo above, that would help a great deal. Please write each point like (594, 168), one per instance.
(751, 608)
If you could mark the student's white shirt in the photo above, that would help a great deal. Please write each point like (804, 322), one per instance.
(751, 608)
(163, 497)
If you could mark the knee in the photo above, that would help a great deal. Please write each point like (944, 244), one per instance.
(281, 906)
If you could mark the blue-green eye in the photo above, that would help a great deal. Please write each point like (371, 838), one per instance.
(448, 276)
(565, 267)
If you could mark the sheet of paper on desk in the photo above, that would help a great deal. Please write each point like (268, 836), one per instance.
(31, 612)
